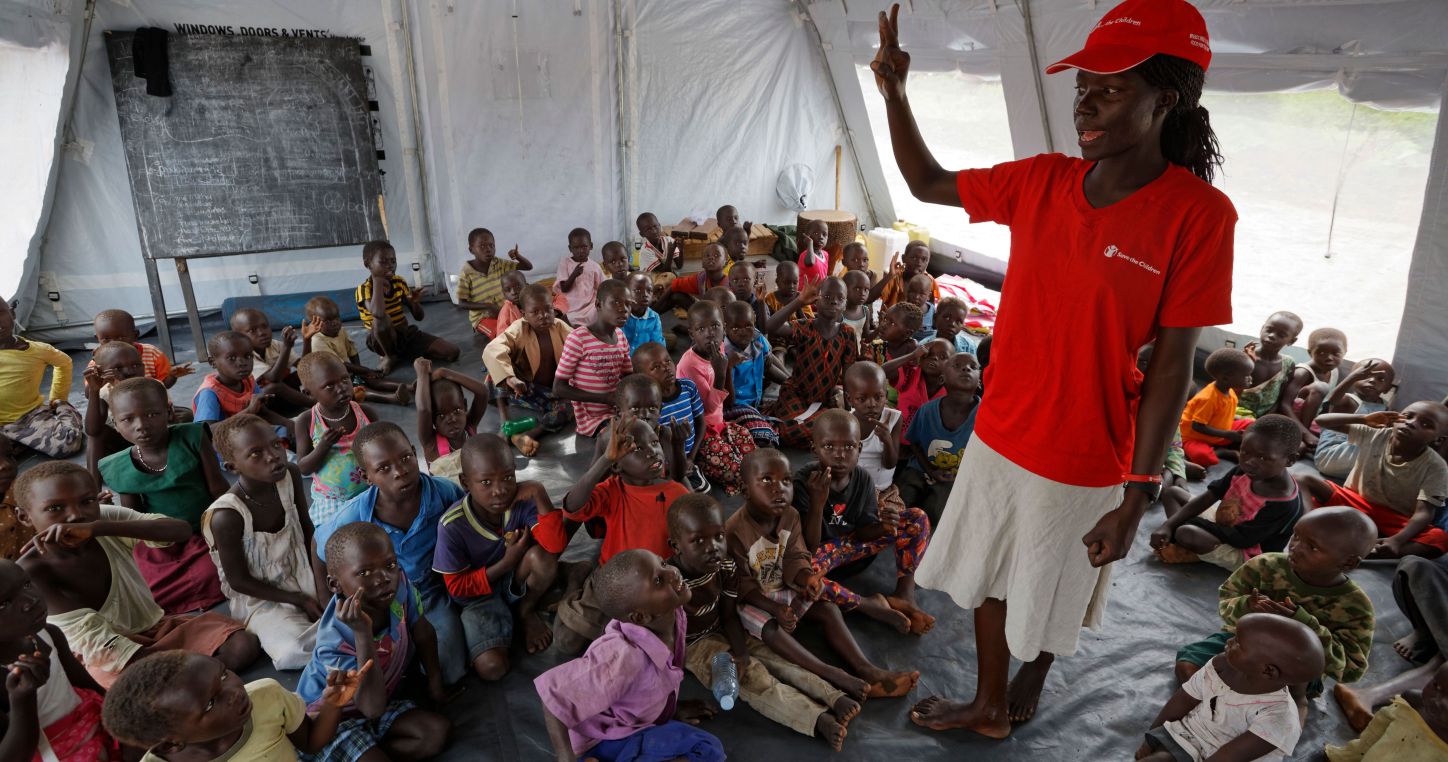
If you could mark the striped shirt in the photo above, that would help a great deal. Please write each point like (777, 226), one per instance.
(483, 288)
(591, 365)
(400, 290)
(686, 406)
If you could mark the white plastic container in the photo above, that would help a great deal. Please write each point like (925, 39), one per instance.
(883, 243)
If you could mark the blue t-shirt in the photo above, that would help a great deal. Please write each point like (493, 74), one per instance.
(413, 545)
(336, 646)
(927, 323)
(749, 375)
(641, 330)
(943, 447)
(963, 343)
(464, 544)
(686, 406)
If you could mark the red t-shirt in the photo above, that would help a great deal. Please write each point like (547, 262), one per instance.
(1085, 289)
(635, 517)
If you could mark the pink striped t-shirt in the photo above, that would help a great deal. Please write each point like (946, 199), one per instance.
(591, 365)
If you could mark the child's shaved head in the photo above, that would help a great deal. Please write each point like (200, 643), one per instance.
(321, 306)
(619, 582)
(1326, 334)
(349, 538)
(476, 233)
(117, 325)
(856, 278)
(224, 432)
(864, 372)
(646, 352)
(535, 293)
(737, 310)
(762, 456)
(135, 714)
(634, 386)
(485, 448)
(643, 219)
(908, 314)
(151, 389)
(312, 364)
(1282, 644)
(1226, 361)
(1289, 320)
(375, 431)
(1281, 433)
(786, 267)
(24, 486)
(218, 343)
(1346, 530)
(692, 510)
(612, 289)
(113, 353)
(834, 420)
(372, 248)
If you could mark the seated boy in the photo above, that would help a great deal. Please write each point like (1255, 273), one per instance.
(272, 364)
(735, 241)
(1207, 424)
(1273, 386)
(775, 687)
(325, 323)
(380, 301)
(890, 289)
(937, 436)
(1239, 705)
(682, 409)
(921, 292)
(1250, 511)
(408, 505)
(659, 253)
(1413, 727)
(230, 388)
(1398, 479)
(1361, 391)
(93, 589)
(1308, 583)
(615, 260)
(643, 323)
(510, 311)
(375, 617)
(497, 552)
(741, 284)
(119, 325)
(522, 365)
(949, 324)
(480, 283)
(786, 288)
(1326, 348)
(578, 278)
(620, 700)
(111, 363)
(856, 258)
(686, 289)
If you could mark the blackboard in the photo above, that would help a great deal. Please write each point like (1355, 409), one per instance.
(264, 145)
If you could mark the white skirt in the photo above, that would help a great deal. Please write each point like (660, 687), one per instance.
(1009, 534)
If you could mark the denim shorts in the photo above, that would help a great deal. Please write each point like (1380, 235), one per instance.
(488, 621)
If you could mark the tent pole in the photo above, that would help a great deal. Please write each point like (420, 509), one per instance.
(1036, 76)
(820, 48)
(623, 117)
(422, 233)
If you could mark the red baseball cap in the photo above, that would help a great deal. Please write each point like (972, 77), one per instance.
(1137, 30)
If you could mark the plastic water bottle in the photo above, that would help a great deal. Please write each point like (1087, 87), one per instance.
(518, 426)
(726, 680)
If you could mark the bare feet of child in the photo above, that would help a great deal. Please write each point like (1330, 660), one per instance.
(920, 622)
(386, 366)
(537, 635)
(886, 684)
(854, 687)
(1024, 691)
(1357, 712)
(831, 730)
(845, 709)
(403, 395)
(938, 713)
(1412, 648)
(527, 446)
(877, 608)
(1172, 553)
(1184, 671)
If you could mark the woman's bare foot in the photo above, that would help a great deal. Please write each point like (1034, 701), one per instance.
(527, 446)
(830, 730)
(937, 713)
(1353, 707)
(854, 687)
(1413, 648)
(537, 635)
(845, 709)
(877, 608)
(403, 395)
(1024, 691)
(886, 684)
(920, 622)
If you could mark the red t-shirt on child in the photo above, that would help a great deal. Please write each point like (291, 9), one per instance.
(635, 517)
(1085, 290)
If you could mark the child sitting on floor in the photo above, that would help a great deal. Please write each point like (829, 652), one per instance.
(756, 366)
(480, 283)
(325, 322)
(1398, 479)
(594, 358)
(171, 470)
(682, 410)
(615, 261)
(859, 314)
(1308, 583)
(1250, 511)
(111, 363)
(949, 323)
(408, 504)
(510, 311)
(856, 258)
(13, 534)
(725, 443)
(445, 418)
(375, 616)
(1326, 348)
(271, 358)
(164, 704)
(1361, 392)
(119, 325)
(522, 362)
(1208, 426)
(93, 589)
(643, 323)
(658, 252)
(638, 397)
(937, 436)
(380, 301)
(920, 291)
(890, 289)
(230, 388)
(820, 349)
(894, 338)
(325, 434)
(627, 488)
(497, 552)
(741, 284)
(735, 240)
(786, 288)
(620, 700)
(814, 260)
(578, 278)
(782, 586)
(1239, 706)
(260, 539)
(776, 688)
(918, 377)
(685, 289)
(1273, 387)
(50, 425)
(865, 387)
(50, 695)
(843, 521)
(1411, 728)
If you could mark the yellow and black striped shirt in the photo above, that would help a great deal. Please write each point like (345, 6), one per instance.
(394, 301)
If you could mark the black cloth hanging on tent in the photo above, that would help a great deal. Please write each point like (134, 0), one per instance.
(148, 51)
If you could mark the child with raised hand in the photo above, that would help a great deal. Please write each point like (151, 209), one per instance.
(735, 241)
(843, 521)
(480, 283)
(119, 325)
(814, 260)
(890, 289)
(638, 397)
(260, 539)
(643, 323)
(375, 616)
(724, 443)
(921, 292)
(271, 358)
(741, 285)
(937, 436)
(408, 504)
(820, 349)
(626, 487)
(1273, 386)
(856, 258)
(1398, 480)
(786, 288)
(325, 435)
(682, 410)
(686, 289)
(184, 707)
(497, 552)
(171, 470)
(81, 559)
(522, 362)
(949, 324)
(859, 315)
(112, 362)
(783, 587)
(1308, 583)
(775, 687)
(1209, 427)
(50, 424)
(1360, 392)
(1239, 705)
(324, 323)
(615, 260)
(510, 310)
(230, 388)
(620, 700)
(380, 301)
(50, 695)
(1326, 348)
(659, 253)
(918, 377)
(895, 337)
(756, 365)
(445, 418)
(594, 358)
(865, 388)
(578, 278)
(1414, 726)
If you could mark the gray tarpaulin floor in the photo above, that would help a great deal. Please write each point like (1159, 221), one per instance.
(1096, 704)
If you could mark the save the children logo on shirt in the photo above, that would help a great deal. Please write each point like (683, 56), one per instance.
(1114, 252)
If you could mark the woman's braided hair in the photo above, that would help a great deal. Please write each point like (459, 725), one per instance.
(1186, 137)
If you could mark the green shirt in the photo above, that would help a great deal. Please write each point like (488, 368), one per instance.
(180, 491)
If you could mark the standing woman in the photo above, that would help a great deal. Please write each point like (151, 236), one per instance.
(1126, 245)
